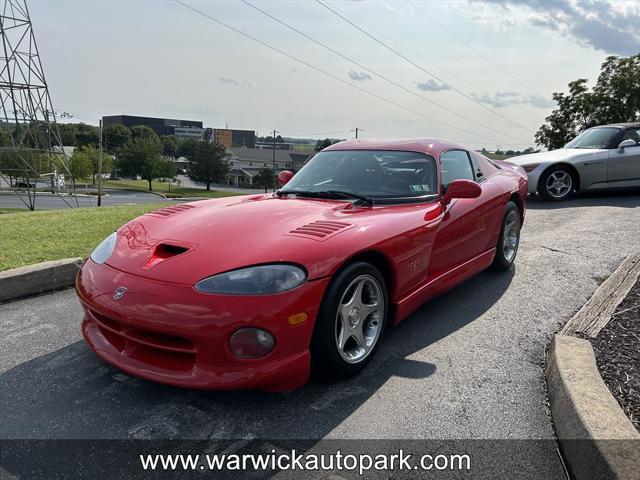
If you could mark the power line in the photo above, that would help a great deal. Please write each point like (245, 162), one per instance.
(413, 52)
(313, 67)
(460, 92)
(386, 79)
(472, 48)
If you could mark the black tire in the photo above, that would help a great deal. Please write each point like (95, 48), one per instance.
(547, 192)
(504, 258)
(326, 358)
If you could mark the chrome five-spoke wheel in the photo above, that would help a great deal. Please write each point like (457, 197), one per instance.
(559, 184)
(359, 318)
(351, 321)
(511, 235)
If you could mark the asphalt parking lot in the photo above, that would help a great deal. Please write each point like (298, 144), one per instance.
(466, 365)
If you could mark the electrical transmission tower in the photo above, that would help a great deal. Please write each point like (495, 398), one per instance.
(30, 142)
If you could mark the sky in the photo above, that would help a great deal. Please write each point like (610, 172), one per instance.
(478, 73)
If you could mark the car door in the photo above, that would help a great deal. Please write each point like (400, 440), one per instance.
(468, 224)
(623, 168)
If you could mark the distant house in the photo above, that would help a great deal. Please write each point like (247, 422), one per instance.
(245, 163)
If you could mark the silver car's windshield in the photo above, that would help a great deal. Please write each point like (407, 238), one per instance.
(594, 138)
(377, 174)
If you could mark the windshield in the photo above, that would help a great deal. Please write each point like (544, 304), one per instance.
(377, 174)
(594, 138)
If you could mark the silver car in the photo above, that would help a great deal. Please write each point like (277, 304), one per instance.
(600, 158)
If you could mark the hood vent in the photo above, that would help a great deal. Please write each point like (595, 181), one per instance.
(172, 210)
(162, 252)
(320, 230)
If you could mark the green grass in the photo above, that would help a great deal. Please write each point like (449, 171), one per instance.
(30, 237)
(11, 210)
(163, 187)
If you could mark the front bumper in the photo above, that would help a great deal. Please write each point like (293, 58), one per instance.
(533, 178)
(172, 334)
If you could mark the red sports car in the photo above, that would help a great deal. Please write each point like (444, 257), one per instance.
(254, 291)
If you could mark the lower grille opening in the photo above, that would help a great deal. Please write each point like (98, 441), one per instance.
(178, 362)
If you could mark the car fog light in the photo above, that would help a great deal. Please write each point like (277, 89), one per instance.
(251, 343)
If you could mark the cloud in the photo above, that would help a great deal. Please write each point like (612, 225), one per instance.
(608, 25)
(431, 86)
(359, 76)
(505, 98)
(235, 82)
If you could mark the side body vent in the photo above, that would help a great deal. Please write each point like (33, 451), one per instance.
(172, 210)
(320, 230)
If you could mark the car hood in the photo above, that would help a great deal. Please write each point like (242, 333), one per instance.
(554, 156)
(186, 243)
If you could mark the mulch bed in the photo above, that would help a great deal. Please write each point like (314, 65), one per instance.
(617, 349)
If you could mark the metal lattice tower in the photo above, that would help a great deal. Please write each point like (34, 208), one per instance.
(35, 148)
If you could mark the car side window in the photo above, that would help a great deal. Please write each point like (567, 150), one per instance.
(455, 165)
(631, 134)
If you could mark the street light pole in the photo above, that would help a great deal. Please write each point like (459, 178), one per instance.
(100, 168)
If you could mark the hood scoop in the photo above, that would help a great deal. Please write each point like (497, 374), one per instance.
(162, 252)
(172, 210)
(320, 230)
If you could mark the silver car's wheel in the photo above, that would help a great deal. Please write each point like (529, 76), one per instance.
(359, 319)
(557, 183)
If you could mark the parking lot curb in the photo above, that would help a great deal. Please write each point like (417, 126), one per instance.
(597, 439)
(38, 278)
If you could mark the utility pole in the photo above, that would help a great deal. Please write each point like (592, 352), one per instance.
(274, 151)
(356, 133)
(100, 168)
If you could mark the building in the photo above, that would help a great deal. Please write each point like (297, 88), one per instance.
(245, 163)
(229, 137)
(223, 137)
(162, 126)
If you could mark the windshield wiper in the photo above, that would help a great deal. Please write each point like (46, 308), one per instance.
(327, 194)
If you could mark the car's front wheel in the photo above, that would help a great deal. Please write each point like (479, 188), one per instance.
(509, 241)
(557, 183)
(351, 321)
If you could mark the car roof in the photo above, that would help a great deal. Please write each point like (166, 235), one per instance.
(430, 146)
(620, 125)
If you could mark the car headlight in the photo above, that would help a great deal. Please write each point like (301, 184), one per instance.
(530, 168)
(104, 250)
(259, 280)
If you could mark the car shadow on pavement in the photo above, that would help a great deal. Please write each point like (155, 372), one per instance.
(624, 199)
(71, 394)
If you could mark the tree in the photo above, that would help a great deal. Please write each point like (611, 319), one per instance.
(169, 146)
(142, 131)
(140, 156)
(165, 168)
(207, 164)
(188, 148)
(80, 164)
(114, 137)
(265, 178)
(87, 135)
(322, 144)
(92, 156)
(614, 98)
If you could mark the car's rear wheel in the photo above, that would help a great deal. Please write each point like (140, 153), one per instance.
(509, 240)
(351, 321)
(557, 183)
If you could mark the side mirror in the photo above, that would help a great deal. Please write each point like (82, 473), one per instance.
(284, 176)
(461, 189)
(626, 144)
